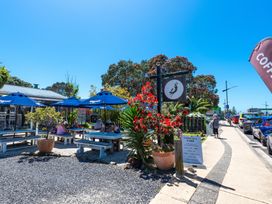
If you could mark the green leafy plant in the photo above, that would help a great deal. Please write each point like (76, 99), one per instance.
(198, 105)
(86, 125)
(137, 140)
(4, 76)
(47, 117)
(72, 118)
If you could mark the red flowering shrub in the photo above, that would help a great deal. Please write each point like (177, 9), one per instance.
(162, 125)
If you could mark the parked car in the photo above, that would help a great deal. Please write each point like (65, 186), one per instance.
(245, 120)
(235, 119)
(269, 144)
(262, 128)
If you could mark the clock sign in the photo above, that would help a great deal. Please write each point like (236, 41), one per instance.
(174, 89)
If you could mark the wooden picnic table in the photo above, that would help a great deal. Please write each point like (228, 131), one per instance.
(110, 137)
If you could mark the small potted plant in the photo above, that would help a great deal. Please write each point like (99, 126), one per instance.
(163, 150)
(48, 118)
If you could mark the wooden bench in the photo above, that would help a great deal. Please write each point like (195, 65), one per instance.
(67, 138)
(5, 141)
(101, 146)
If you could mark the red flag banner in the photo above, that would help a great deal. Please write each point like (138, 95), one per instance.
(261, 59)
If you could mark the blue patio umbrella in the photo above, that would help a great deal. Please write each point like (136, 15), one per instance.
(104, 98)
(69, 102)
(18, 99)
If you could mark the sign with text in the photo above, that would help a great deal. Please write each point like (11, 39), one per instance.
(174, 89)
(192, 150)
(261, 59)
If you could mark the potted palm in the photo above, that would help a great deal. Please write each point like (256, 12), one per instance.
(48, 118)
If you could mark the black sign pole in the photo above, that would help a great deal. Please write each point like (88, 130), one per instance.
(159, 91)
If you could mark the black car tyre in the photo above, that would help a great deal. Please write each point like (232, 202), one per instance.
(254, 136)
(263, 141)
(269, 148)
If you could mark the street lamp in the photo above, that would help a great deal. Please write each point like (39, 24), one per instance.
(227, 96)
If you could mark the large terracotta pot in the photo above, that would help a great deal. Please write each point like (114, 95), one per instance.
(45, 145)
(164, 160)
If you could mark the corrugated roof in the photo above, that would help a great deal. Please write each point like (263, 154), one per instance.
(45, 95)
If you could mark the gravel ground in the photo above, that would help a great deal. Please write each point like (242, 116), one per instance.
(50, 179)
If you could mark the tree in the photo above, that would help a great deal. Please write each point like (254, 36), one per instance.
(126, 74)
(13, 80)
(66, 89)
(132, 76)
(175, 64)
(204, 86)
(233, 111)
(118, 91)
(4, 76)
(93, 90)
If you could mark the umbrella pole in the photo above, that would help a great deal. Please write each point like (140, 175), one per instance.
(31, 122)
(15, 118)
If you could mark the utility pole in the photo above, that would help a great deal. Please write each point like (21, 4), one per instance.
(227, 95)
(266, 106)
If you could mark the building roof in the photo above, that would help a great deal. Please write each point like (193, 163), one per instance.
(37, 94)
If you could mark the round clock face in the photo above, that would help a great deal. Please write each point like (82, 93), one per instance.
(173, 89)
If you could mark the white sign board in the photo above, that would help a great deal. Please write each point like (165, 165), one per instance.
(192, 150)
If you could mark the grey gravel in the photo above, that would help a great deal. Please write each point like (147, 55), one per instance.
(51, 179)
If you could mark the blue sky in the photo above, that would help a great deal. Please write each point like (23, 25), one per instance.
(43, 41)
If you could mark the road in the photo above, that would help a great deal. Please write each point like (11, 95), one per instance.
(255, 143)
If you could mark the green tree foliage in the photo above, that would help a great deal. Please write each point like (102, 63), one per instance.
(175, 64)
(64, 88)
(4, 76)
(233, 111)
(198, 105)
(47, 117)
(118, 91)
(93, 90)
(132, 76)
(13, 80)
(126, 74)
(204, 86)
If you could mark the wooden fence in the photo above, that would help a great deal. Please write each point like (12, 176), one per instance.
(194, 124)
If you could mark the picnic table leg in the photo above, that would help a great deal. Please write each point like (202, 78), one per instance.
(4, 147)
(102, 153)
(112, 147)
(65, 141)
(118, 145)
(80, 149)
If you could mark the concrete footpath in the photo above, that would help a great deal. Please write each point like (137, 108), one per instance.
(235, 174)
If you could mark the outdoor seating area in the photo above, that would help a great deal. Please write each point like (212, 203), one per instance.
(100, 137)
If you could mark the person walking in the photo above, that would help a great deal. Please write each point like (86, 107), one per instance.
(215, 125)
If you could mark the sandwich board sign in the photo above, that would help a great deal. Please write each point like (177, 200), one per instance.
(192, 150)
(174, 89)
